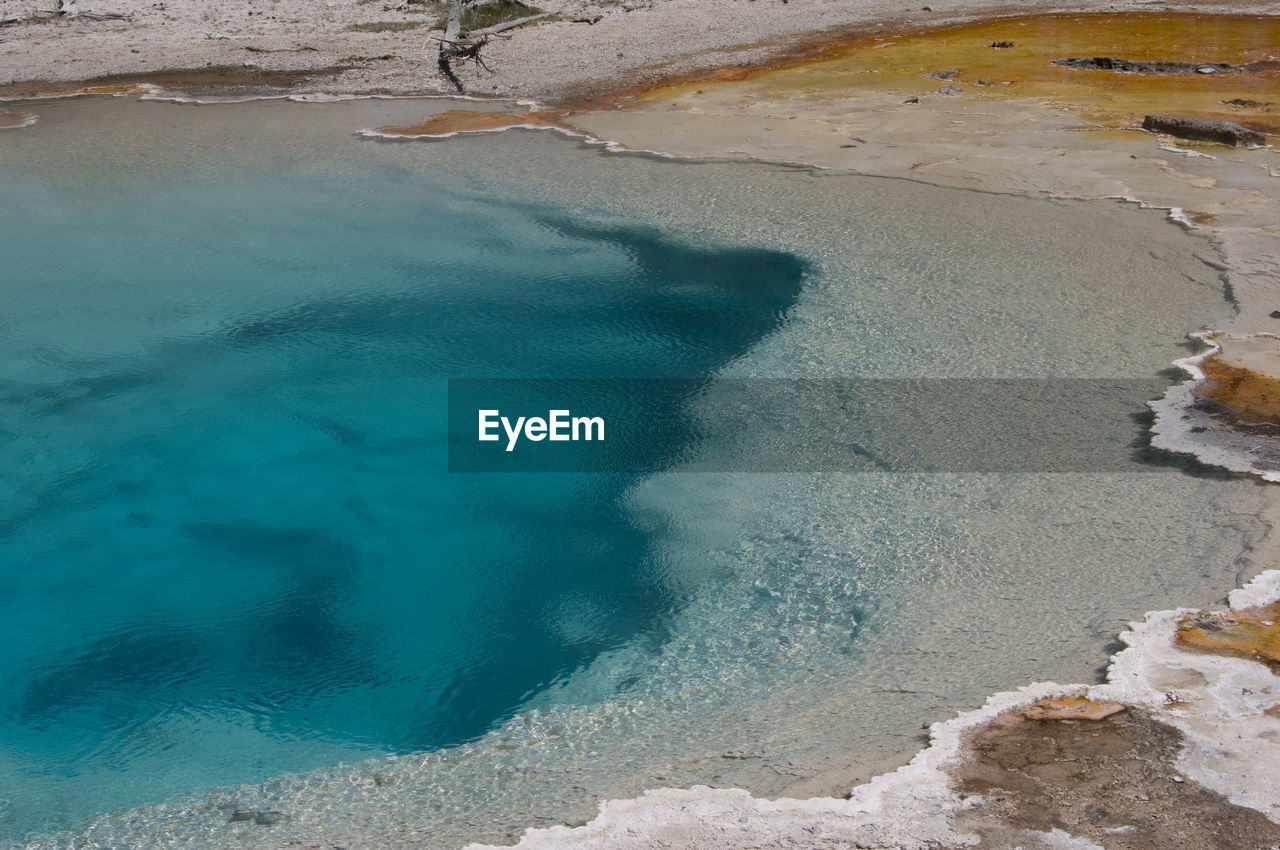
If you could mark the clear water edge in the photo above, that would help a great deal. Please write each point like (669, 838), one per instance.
(752, 625)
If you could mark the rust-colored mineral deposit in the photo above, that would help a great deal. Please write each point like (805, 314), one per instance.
(1252, 396)
(468, 121)
(1253, 632)
(1071, 708)
(9, 118)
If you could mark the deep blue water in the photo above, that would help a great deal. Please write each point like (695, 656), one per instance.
(228, 543)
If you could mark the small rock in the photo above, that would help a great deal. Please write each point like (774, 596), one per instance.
(261, 818)
(1275, 314)
(1143, 66)
(912, 100)
(1242, 103)
(1001, 45)
(950, 90)
(1222, 132)
(944, 75)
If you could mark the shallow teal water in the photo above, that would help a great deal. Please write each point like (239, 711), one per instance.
(230, 549)
(227, 517)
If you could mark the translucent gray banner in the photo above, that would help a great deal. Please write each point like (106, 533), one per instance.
(768, 425)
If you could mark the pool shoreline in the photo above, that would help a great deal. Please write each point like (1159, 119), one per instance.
(1194, 770)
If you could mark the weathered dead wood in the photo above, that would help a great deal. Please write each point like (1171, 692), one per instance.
(458, 44)
(510, 25)
(67, 9)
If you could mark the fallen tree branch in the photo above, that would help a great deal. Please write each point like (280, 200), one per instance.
(510, 25)
(458, 44)
(67, 9)
(464, 48)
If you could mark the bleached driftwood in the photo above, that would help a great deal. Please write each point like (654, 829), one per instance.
(510, 25)
(67, 9)
(458, 43)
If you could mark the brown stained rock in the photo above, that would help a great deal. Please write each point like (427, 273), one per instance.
(1245, 103)
(1141, 66)
(1071, 708)
(1112, 781)
(467, 121)
(1253, 632)
(1221, 132)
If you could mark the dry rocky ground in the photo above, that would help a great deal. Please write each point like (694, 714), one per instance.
(388, 46)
